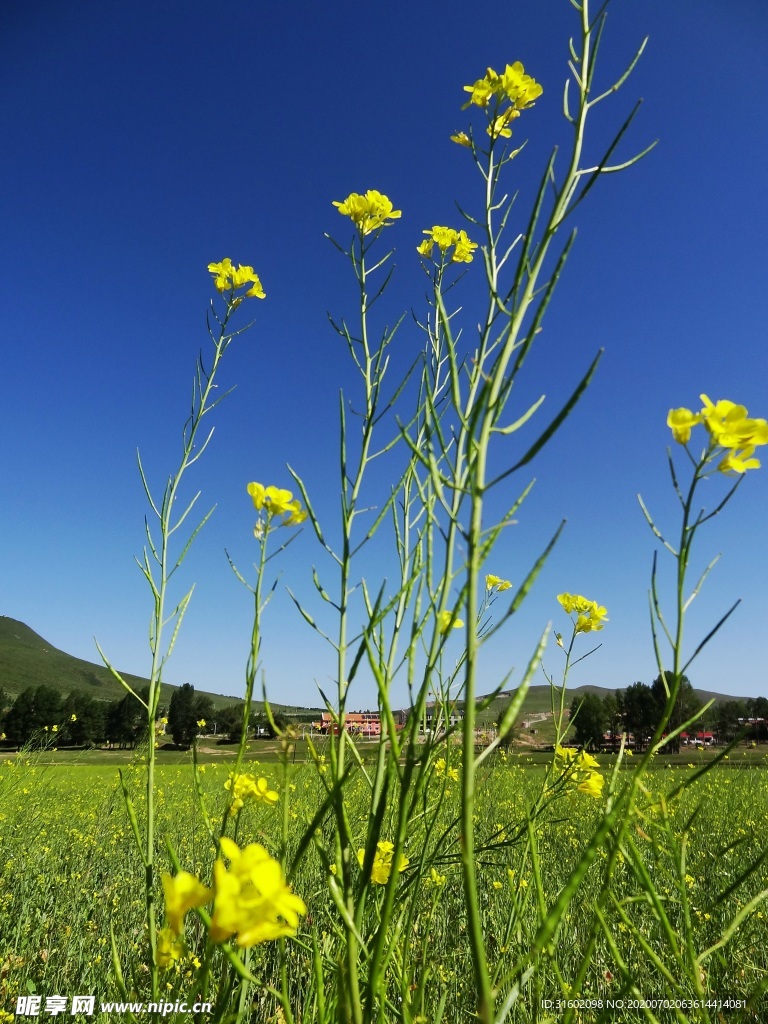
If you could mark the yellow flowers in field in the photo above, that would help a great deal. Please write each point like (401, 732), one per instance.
(183, 892)
(369, 212)
(729, 428)
(245, 787)
(590, 616)
(251, 900)
(581, 769)
(382, 862)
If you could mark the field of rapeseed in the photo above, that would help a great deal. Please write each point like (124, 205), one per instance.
(68, 874)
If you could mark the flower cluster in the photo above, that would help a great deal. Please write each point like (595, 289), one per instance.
(276, 501)
(512, 86)
(496, 583)
(250, 900)
(580, 768)
(227, 278)
(369, 212)
(245, 788)
(590, 616)
(444, 238)
(729, 428)
(442, 769)
(382, 862)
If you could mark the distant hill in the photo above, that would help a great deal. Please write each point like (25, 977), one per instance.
(27, 659)
(538, 700)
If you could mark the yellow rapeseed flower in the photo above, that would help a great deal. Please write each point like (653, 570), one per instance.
(447, 621)
(369, 212)
(227, 277)
(680, 421)
(590, 616)
(592, 784)
(444, 237)
(739, 462)
(496, 582)
(277, 501)
(246, 787)
(252, 899)
(382, 862)
(183, 892)
(462, 139)
(512, 84)
(169, 948)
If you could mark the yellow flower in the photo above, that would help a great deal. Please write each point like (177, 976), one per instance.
(369, 212)
(444, 238)
(169, 948)
(464, 249)
(739, 462)
(228, 278)
(680, 422)
(73, 718)
(520, 89)
(513, 84)
(481, 92)
(447, 621)
(277, 501)
(435, 878)
(462, 139)
(252, 899)
(592, 784)
(222, 273)
(183, 892)
(201, 723)
(590, 616)
(382, 862)
(499, 126)
(497, 582)
(246, 787)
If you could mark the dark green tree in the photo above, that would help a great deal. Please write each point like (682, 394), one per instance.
(31, 712)
(588, 718)
(125, 721)
(613, 717)
(182, 716)
(686, 704)
(727, 724)
(204, 711)
(89, 728)
(640, 712)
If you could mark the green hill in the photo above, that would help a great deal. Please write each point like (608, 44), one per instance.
(27, 659)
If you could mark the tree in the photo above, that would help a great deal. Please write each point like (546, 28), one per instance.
(639, 710)
(230, 722)
(613, 717)
(686, 703)
(588, 719)
(182, 716)
(204, 710)
(32, 711)
(124, 721)
(727, 724)
(88, 728)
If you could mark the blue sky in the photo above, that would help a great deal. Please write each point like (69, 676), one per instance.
(144, 140)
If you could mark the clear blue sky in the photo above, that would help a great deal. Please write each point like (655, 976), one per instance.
(143, 140)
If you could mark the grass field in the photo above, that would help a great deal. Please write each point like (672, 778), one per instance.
(69, 870)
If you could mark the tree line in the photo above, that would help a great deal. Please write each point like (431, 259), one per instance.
(638, 710)
(41, 713)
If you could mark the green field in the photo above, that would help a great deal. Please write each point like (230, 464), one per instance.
(69, 870)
